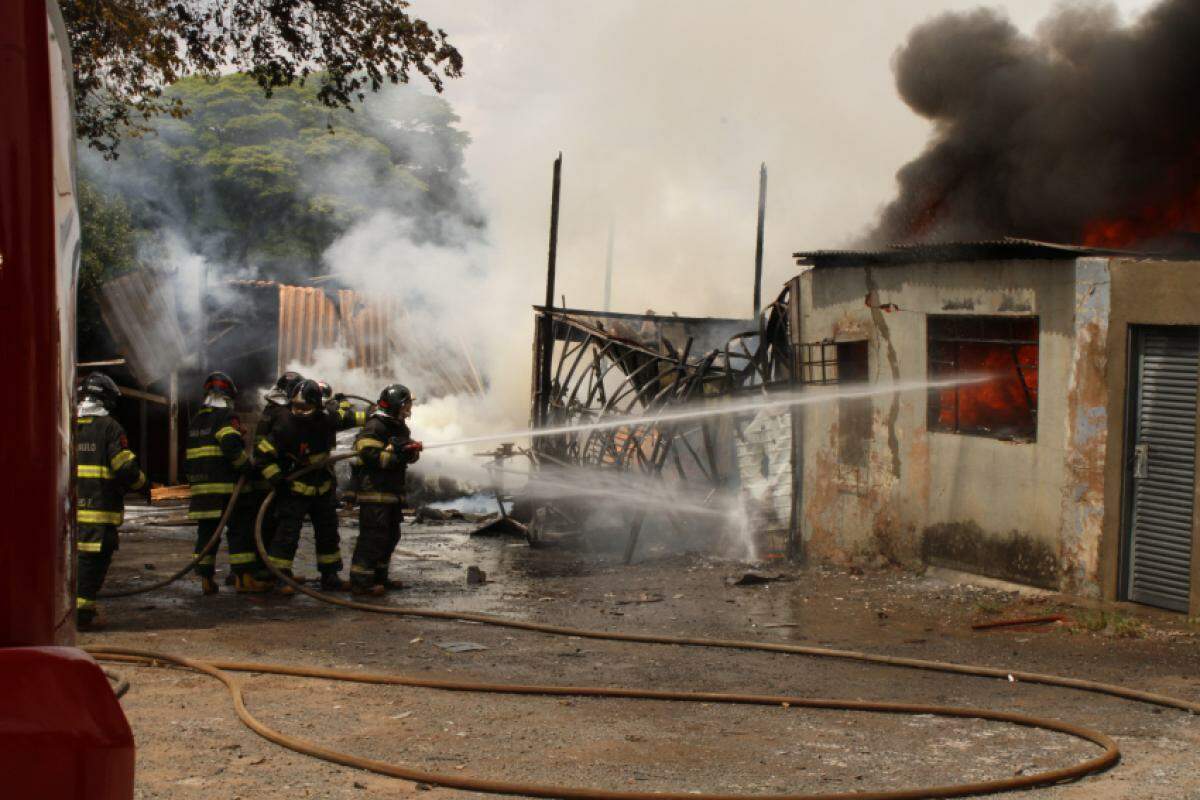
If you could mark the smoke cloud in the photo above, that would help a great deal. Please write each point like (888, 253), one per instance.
(1086, 131)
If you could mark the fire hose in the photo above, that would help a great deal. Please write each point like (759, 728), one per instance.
(196, 559)
(219, 671)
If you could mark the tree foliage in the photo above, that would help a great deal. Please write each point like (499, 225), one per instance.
(111, 243)
(126, 52)
(264, 186)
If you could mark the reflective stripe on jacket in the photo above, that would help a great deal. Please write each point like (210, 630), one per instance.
(216, 457)
(105, 469)
(384, 462)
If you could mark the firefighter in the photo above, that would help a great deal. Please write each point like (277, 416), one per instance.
(276, 404)
(386, 448)
(305, 436)
(274, 410)
(340, 407)
(105, 470)
(330, 402)
(216, 458)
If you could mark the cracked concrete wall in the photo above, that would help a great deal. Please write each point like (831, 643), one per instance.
(983, 505)
(1083, 500)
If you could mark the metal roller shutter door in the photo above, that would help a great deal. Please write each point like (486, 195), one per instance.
(1164, 467)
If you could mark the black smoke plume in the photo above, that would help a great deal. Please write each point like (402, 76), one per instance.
(1087, 132)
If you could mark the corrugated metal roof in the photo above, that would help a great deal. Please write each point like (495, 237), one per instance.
(140, 312)
(1009, 249)
(377, 335)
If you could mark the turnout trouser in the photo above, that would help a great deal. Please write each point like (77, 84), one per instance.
(378, 535)
(96, 545)
(320, 509)
(270, 523)
(243, 556)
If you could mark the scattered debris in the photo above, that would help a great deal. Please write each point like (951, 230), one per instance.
(501, 526)
(756, 578)
(642, 598)
(161, 494)
(426, 515)
(1006, 623)
(475, 576)
(461, 647)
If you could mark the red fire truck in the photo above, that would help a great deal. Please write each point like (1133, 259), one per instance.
(62, 732)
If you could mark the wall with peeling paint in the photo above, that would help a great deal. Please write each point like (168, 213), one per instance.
(1025, 511)
(763, 450)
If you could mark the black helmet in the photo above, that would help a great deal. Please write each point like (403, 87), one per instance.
(220, 383)
(287, 382)
(102, 388)
(393, 399)
(306, 398)
(326, 389)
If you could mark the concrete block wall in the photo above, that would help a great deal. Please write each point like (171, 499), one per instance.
(998, 508)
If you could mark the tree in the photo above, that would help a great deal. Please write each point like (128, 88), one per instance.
(111, 243)
(264, 186)
(126, 52)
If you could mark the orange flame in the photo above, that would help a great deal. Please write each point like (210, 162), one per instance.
(1153, 220)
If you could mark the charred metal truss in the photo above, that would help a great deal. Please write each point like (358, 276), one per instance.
(606, 365)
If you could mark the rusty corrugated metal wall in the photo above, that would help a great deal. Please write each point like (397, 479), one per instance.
(308, 321)
(373, 334)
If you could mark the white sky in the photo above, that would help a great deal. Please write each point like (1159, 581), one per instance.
(663, 111)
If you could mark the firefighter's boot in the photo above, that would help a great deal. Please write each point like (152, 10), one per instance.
(375, 590)
(89, 618)
(332, 582)
(208, 585)
(382, 579)
(248, 584)
(284, 588)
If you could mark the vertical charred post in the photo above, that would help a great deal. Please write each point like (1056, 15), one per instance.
(758, 246)
(547, 333)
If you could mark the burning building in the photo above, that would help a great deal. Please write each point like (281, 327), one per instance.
(1071, 466)
(253, 330)
(1030, 413)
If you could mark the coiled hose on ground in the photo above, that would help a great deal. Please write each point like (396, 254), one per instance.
(219, 670)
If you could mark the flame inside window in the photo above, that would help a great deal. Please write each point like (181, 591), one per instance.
(1005, 348)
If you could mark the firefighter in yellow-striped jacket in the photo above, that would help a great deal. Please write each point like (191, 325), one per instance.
(105, 470)
(305, 438)
(216, 458)
(386, 448)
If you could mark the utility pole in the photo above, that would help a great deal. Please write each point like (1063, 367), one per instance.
(758, 247)
(609, 266)
(547, 332)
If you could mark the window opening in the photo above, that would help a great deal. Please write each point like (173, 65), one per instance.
(854, 413)
(1005, 348)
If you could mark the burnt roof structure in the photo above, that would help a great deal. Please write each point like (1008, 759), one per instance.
(1007, 249)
